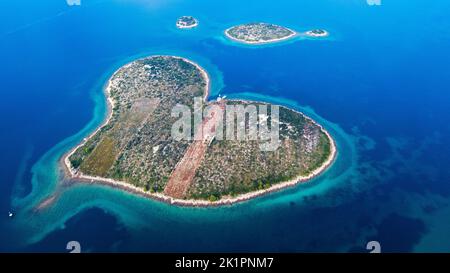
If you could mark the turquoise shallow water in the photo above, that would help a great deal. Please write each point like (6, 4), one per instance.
(133, 210)
(380, 91)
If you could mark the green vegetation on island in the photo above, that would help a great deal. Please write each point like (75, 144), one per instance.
(317, 33)
(187, 22)
(136, 146)
(231, 168)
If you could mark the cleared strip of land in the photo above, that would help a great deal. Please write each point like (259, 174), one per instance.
(184, 172)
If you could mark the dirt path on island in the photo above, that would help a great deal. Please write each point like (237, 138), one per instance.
(184, 172)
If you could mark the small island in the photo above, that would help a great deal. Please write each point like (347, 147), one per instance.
(186, 22)
(134, 150)
(259, 33)
(317, 33)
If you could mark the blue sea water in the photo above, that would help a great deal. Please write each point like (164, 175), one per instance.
(379, 84)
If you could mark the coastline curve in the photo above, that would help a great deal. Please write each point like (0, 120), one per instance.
(72, 174)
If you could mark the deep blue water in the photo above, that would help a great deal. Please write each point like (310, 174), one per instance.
(379, 84)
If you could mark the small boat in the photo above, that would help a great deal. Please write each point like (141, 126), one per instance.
(10, 214)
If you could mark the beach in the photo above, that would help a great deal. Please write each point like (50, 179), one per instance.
(186, 27)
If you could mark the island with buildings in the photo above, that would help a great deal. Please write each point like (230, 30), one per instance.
(186, 22)
(259, 33)
(135, 149)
